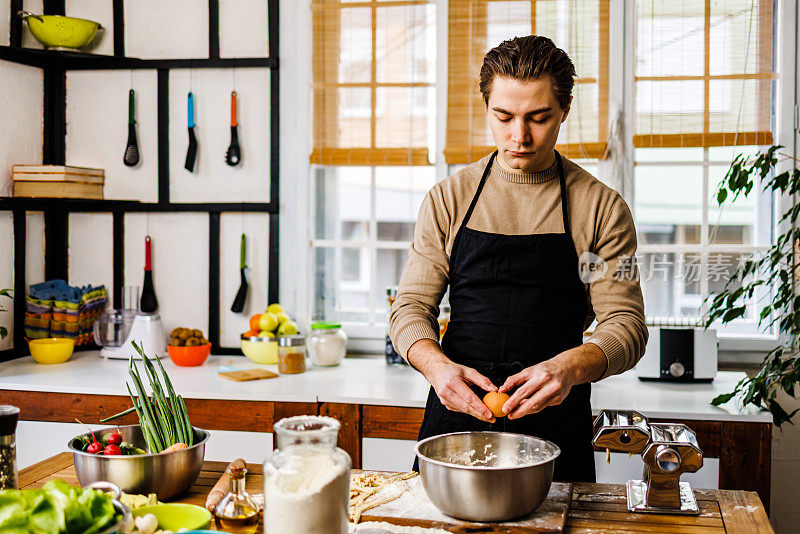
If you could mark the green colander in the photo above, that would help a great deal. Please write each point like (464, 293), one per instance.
(56, 31)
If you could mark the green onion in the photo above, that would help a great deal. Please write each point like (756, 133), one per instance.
(163, 417)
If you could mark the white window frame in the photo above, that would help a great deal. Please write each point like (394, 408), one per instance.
(741, 348)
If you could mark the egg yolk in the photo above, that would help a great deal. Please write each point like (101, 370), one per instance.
(495, 401)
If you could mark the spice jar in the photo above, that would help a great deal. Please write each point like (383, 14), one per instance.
(327, 344)
(292, 354)
(8, 446)
(307, 478)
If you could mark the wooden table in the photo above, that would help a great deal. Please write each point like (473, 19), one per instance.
(595, 508)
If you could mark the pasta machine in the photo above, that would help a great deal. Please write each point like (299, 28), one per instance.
(667, 449)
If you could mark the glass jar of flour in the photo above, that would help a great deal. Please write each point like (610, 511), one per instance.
(307, 478)
(327, 344)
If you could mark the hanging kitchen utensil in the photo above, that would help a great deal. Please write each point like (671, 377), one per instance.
(191, 152)
(131, 156)
(148, 302)
(232, 156)
(241, 295)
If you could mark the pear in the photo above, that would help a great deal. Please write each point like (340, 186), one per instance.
(282, 317)
(266, 333)
(268, 321)
(287, 328)
(275, 308)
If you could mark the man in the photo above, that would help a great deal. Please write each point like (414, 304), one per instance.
(506, 234)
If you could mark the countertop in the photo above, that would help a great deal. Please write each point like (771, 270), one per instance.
(358, 380)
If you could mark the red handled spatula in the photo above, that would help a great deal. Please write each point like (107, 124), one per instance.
(233, 155)
(148, 303)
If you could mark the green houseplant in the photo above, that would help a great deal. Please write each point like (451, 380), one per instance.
(4, 293)
(776, 274)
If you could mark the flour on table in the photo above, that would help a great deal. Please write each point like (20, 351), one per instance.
(372, 527)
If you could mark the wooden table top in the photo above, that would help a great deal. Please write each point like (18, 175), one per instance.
(595, 508)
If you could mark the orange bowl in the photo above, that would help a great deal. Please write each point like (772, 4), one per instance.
(189, 356)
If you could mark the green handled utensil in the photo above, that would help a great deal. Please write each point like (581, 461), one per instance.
(241, 295)
(131, 156)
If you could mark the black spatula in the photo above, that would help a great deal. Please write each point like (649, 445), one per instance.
(241, 295)
(233, 155)
(131, 156)
(191, 152)
(148, 303)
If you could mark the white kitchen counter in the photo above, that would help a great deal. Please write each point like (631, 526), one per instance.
(358, 380)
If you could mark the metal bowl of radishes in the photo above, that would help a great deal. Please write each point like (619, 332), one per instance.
(119, 455)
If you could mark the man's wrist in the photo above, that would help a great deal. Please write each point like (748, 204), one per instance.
(424, 354)
(585, 363)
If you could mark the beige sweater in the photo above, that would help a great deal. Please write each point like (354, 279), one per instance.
(527, 204)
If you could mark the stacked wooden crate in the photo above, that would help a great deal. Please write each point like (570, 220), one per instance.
(57, 181)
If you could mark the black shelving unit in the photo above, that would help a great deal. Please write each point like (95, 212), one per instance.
(55, 65)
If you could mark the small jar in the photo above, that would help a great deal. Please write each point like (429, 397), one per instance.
(327, 344)
(292, 354)
(8, 446)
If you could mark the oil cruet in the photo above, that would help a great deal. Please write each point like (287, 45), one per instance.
(237, 512)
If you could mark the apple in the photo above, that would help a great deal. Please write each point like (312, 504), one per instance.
(275, 308)
(287, 328)
(266, 333)
(282, 317)
(268, 321)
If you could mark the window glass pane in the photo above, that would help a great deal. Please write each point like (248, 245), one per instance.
(735, 106)
(399, 192)
(669, 154)
(505, 20)
(669, 107)
(733, 222)
(341, 284)
(403, 116)
(582, 123)
(670, 285)
(342, 203)
(668, 203)
(734, 37)
(406, 44)
(355, 41)
(390, 266)
(670, 38)
(728, 153)
(572, 25)
(355, 112)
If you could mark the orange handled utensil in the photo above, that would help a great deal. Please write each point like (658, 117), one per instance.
(233, 154)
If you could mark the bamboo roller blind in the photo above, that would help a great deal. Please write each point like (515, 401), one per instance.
(580, 27)
(374, 73)
(704, 73)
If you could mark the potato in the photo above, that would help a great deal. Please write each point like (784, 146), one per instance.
(192, 342)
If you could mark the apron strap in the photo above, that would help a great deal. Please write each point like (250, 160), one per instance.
(564, 204)
(485, 175)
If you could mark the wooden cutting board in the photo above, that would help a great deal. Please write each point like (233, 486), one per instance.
(248, 374)
(414, 508)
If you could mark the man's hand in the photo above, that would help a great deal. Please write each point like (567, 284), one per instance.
(450, 380)
(548, 383)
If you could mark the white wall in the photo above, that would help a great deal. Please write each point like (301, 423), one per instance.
(21, 110)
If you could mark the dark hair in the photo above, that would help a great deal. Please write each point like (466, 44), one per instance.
(526, 58)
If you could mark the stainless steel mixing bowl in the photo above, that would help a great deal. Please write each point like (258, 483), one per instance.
(509, 477)
(166, 474)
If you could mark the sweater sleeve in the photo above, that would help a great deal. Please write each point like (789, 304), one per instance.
(616, 297)
(424, 280)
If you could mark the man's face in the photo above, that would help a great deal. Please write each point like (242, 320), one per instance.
(525, 118)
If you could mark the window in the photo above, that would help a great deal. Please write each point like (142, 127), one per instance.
(374, 103)
(703, 88)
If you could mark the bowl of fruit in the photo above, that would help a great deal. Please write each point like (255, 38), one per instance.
(188, 347)
(260, 343)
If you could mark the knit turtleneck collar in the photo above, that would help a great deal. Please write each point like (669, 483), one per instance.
(537, 177)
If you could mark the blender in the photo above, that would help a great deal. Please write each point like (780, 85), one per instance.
(115, 330)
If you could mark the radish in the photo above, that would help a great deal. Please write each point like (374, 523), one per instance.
(112, 450)
(114, 438)
(96, 447)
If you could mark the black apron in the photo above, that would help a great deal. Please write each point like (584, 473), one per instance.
(517, 300)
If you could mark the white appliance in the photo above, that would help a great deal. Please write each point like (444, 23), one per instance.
(116, 330)
(679, 354)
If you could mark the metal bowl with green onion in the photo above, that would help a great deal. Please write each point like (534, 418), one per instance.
(166, 474)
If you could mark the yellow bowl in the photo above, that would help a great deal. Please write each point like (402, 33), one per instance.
(59, 31)
(51, 349)
(260, 349)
